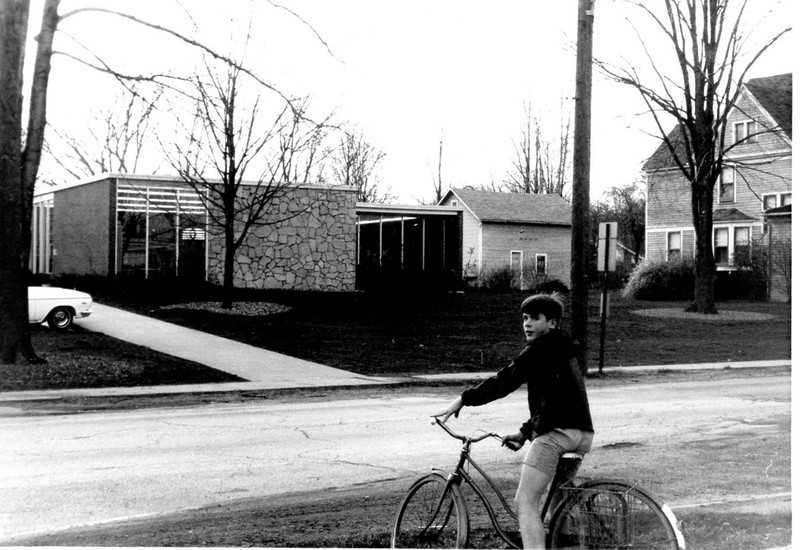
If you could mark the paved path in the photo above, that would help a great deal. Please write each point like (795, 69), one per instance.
(262, 369)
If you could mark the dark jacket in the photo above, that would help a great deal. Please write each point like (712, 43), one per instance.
(556, 392)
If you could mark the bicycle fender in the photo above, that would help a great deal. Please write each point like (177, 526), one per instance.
(447, 474)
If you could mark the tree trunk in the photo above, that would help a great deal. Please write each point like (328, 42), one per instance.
(13, 288)
(705, 266)
(32, 153)
(227, 274)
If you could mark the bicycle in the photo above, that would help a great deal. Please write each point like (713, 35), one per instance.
(600, 513)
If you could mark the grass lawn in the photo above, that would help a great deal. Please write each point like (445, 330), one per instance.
(396, 334)
(81, 359)
(390, 334)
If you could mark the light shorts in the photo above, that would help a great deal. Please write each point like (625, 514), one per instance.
(546, 449)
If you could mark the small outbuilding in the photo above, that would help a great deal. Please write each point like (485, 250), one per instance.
(530, 234)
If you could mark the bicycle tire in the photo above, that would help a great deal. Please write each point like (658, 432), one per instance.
(415, 526)
(613, 514)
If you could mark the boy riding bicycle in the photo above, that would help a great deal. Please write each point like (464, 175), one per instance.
(560, 420)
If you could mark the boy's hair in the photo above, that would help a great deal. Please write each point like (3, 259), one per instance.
(549, 305)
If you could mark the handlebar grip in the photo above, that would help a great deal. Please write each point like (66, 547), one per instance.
(513, 445)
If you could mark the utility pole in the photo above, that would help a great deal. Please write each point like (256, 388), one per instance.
(579, 295)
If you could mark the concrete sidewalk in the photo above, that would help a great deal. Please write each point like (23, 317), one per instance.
(262, 369)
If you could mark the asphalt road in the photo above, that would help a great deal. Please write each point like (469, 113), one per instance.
(67, 470)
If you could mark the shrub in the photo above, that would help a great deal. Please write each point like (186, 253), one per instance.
(546, 285)
(506, 279)
(749, 280)
(498, 279)
(744, 284)
(671, 280)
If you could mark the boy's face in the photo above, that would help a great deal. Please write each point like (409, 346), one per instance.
(536, 326)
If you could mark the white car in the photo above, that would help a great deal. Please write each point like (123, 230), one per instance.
(58, 306)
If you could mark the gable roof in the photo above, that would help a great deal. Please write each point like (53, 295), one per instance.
(492, 207)
(730, 215)
(774, 93)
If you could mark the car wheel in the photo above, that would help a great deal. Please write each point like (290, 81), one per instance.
(60, 318)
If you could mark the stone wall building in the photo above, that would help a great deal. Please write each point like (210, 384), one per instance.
(307, 242)
(311, 238)
(158, 227)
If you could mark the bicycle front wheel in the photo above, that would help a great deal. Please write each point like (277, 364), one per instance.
(432, 515)
(613, 514)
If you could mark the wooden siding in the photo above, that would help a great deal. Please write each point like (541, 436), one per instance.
(770, 176)
(554, 241)
(768, 141)
(669, 200)
(656, 245)
(780, 248)
(471, 252)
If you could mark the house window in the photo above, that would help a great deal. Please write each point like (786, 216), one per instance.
(721, 245)
(744, 132)
(773, 200)
(741, 245)
(674, 242)
(516, 262)
(727, 187)
(541, 264)
(453, 203)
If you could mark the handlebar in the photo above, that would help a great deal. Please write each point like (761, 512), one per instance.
(464, 438)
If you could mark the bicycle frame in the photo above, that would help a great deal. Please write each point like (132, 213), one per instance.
(460, 474)
(564, 505)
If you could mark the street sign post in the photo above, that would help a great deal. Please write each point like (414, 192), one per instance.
(606, 261)
(607, 247)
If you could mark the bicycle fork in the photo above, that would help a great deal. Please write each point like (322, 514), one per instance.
(454, 479)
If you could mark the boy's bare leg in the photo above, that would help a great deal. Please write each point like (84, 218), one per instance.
(532, 487)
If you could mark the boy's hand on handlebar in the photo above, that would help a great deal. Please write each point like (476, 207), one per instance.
(452, 410)
(514, 442)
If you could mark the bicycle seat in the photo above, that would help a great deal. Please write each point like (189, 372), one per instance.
(568, 465)
(572, 455)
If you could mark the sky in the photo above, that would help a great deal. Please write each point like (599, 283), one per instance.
(408, 73)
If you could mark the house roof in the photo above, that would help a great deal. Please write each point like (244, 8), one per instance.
(730, 215)
(492, 207)
(774, 93)
(784, 210)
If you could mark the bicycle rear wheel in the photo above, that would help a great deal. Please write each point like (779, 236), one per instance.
(613, 514)
(432, 515)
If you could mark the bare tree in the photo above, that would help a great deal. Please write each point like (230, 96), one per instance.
(21, 158)
(354, 163)
(19, 166)
(438, 182)
(708, 41)
(540, 165)
(115, 141)
(229, 139)
(626, 206)
(13, 298)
